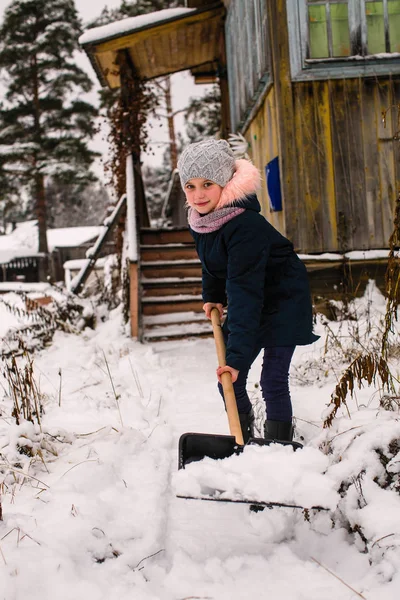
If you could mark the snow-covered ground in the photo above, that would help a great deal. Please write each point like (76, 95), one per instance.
(88, 497)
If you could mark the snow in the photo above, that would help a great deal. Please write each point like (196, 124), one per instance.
(300, 480)
(78, 263)
(177, 297)
(23, 241)
(23, 286)
(71, 236)
(89, 504)
(131, 24)
(353, 255)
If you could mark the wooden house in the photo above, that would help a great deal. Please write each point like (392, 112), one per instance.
(313, 85)
(309, 82)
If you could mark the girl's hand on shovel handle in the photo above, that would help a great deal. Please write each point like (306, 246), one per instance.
(208, 306)
(234, 373)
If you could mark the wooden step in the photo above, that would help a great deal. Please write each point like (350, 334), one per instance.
(173, 268)
(176, 326)
(174, 235)
(168, 252)
(179, 318)
(177, 332)
(157, 305)
(170, 286)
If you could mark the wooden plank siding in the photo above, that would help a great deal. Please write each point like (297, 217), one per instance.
(374, 231)
(396, 131)
(385, 99)
(347, 169)
(263, 140)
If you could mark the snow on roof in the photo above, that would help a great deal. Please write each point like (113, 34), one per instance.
(71, 236)
(23, 241)
(131, 24)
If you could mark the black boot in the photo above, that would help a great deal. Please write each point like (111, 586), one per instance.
(281, 431)
(247, 425)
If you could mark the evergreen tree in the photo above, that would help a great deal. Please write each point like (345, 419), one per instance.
(203, 116)
(133, 9)
(70, 206)
(44, 125)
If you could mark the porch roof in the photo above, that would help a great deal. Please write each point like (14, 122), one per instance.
(158, 43)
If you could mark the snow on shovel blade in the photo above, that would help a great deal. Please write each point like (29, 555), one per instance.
(195, 446)
(261, 475)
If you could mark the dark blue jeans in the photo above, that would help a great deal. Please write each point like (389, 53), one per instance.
(274, 384)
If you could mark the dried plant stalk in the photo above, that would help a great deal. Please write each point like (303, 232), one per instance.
(23, 389)
(364, 368)
(392, 279)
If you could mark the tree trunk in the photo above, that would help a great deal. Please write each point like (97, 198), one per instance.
(171, 126)
(40, 195)
(40, 212)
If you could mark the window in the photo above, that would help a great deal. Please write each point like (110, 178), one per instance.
(247, 56)
(328, 29)
(336, 27)
(330, 33)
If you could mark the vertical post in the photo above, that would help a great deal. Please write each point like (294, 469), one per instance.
(287, 136)
(224, 88)
(134, 304)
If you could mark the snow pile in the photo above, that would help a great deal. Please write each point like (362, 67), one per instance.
(31, 319)
(253, 476)
(358, 329)
(82, 489)
(87, 498)
(364, 455)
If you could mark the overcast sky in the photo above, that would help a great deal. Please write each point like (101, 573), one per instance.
(183, 87)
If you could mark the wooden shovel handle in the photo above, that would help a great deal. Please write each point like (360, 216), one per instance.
(226, 379)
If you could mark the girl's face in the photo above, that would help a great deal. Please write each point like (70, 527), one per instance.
(202, 194)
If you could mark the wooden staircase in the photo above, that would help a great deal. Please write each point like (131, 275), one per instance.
(171, 301)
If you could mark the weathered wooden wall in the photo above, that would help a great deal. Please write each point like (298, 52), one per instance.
(347, 170)
(263, 139)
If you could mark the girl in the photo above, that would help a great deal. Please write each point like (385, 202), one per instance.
(248, 265)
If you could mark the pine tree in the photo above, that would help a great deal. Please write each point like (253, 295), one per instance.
(70, 206)
(133, 9)
(203, 116)
(44, 125)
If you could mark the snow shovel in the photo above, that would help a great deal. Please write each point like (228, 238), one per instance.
(196, 446)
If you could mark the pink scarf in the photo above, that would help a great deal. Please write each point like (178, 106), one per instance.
(213, 220)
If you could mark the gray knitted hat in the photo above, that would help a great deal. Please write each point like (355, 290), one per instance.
(210, 159)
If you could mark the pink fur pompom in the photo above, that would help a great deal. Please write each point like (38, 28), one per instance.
(246, 180)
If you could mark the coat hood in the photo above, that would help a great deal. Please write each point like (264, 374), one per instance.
(245, 182)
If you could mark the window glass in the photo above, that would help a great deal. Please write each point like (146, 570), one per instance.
(375, 27)
(319, 47)
(394, 25)
(340, 30)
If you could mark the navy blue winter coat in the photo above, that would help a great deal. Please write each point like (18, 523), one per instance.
(251, 266)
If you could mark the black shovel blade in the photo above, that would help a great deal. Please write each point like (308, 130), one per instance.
(196, 446)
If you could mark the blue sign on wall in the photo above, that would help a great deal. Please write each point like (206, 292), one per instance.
(274, 184)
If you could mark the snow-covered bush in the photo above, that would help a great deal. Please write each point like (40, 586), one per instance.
(364, 455)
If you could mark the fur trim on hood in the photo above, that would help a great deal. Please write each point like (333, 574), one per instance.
(245, 181)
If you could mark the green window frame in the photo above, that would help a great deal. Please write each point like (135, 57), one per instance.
(343, 38)
(346, 28)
